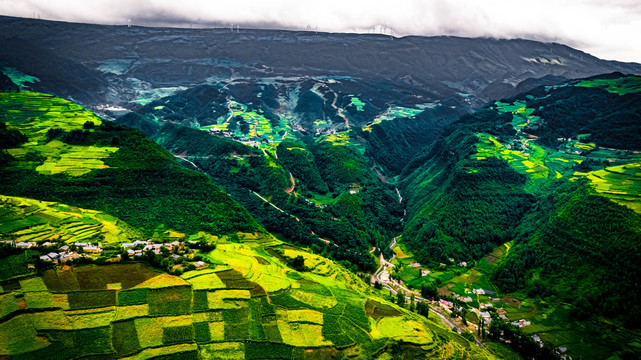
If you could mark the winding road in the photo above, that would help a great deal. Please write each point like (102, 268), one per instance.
(435, 308)
(291, 188)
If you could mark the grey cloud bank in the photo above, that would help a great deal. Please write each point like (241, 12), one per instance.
(607, 29)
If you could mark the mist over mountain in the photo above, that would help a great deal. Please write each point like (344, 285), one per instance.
(431, 68)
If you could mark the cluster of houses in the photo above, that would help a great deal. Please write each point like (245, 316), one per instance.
(139, 247)
(521, 323)
(66, 253)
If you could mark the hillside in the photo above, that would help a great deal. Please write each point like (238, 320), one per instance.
(247, 304)
(66, 154)
(552, 173)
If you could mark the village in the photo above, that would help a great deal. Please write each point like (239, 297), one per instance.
(60, 253)
(453, 306)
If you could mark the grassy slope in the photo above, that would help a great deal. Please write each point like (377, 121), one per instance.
(29, 220)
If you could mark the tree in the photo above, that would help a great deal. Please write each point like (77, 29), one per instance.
(298, 263)
(429, 291)
(400, 298)
(423, 309)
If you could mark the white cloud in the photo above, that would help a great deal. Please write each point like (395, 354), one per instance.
(608, 29)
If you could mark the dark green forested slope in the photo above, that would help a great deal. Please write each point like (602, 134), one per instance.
(338, 206)
(557, 170)
(70, 156)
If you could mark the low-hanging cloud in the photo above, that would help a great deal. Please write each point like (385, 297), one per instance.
(608, 29)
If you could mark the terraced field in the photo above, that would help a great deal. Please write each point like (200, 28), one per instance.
(620, 183)
(247, 304)
(45, 155)
(259, 127)
(29, 220)
(617, 176)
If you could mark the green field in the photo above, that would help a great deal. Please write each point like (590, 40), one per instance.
(45, 155)
(153, 314)
(356, 102)
(621, 183)
(28, 220)
(621, 86)
(260, 128)
(394, 112)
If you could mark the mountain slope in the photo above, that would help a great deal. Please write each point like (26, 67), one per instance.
(251, 296)
(247, 304)
(69, 155)
(301, 82)
(441, 65)
(549, 170)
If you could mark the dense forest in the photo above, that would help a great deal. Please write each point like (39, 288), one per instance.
(580, 242)
(344, 227)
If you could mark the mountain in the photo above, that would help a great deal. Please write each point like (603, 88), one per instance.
(357, 117)
(170, 57)
(342, 80)
(510, 168)
(72, 180)
(550, 179)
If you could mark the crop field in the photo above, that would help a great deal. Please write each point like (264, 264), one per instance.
(338, 139)
(7, 304)
(30, 220)
(228, 299)
(203, 280)
(39, 300)
(33, 114)
(394, 112)
(621, 86)
(259, 127)
(247, 269)
(224, 351)
(97, 277)
(212, 313)
(521, 115)
(15, 265)
(91, 299)
(125, 338)
(528, 159)
(621, 184)
(174, 300)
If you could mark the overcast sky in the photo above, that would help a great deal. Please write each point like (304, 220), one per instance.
(609, 29)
